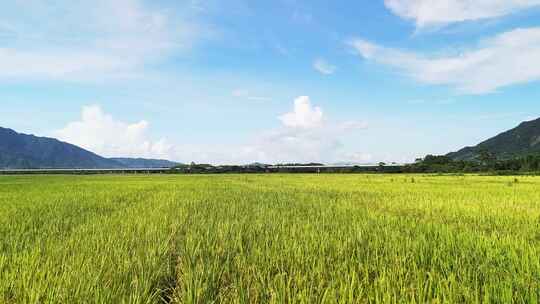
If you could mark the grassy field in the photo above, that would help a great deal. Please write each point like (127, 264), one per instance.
(269, 238)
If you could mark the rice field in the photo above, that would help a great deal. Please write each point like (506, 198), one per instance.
(269, 239)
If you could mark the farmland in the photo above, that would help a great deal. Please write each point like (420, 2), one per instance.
(269, 238)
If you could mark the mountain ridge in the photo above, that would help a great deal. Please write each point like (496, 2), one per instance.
(24, 151)
(27, 151)
(517, 142)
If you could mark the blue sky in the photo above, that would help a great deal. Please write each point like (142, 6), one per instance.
(272, 81)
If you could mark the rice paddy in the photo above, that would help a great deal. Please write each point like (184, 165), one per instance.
(269, 239)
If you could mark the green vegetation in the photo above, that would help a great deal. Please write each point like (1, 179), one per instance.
(269, 238)
(486, 162)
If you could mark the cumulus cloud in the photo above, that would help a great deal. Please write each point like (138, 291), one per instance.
(295, 145)
(99, 132)
(324, 67)
(304, 135)
(88, 40)
(439, 12)
(304, 115)
(507, 59)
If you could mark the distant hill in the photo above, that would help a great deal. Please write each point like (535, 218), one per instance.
(21, 151)
(144, 163)
(520, 141)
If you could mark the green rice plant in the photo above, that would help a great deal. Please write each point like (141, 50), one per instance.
(269, 239)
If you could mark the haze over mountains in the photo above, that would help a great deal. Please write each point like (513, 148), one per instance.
(22, 151)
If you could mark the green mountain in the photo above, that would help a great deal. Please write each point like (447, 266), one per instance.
(520, 141)
(22, 151)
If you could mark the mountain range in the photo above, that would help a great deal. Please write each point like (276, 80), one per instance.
(22, 151)
(517, 142)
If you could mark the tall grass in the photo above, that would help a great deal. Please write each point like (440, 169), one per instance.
(269, 239)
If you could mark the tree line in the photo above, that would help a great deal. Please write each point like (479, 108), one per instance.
(485, 162)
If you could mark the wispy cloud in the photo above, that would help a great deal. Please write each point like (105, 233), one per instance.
(88, 40)
(323, 67)
(507, 59)
(427, 13)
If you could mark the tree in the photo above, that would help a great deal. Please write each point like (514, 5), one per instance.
(487, 158)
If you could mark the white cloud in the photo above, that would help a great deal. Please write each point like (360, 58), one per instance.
(101, 133)
(304, 136)
(440, 12)
(295, 145)
(506, 59)
(88, 40)
(59, 64)
(324, 67)
(304, 115)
